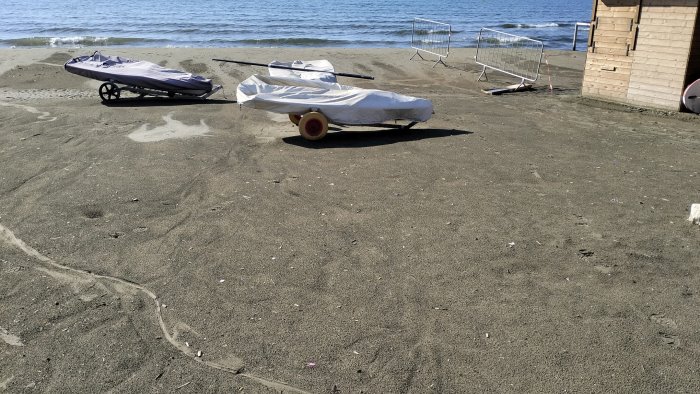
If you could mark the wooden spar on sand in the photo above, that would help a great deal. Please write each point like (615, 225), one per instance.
(360, 76)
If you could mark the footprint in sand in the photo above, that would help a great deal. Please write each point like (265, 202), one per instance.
(669, 339)
(171, 129)
(663, 320)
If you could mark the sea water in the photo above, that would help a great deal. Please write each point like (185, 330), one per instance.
(278, 23)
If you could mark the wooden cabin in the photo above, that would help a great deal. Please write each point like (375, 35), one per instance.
(643, 52)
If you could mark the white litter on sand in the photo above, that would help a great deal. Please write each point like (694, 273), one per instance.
(171, 129)
(694, 214)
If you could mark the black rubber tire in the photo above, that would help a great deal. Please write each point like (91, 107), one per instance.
(109, 91)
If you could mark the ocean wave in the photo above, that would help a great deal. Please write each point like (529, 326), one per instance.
(75, 41)
(567, 39)
(529, 25)
(403, 32)
(302, 43)
(410, 32)
(283, 42)
(506, 40)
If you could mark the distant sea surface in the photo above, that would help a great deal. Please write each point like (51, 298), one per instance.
(278, 23)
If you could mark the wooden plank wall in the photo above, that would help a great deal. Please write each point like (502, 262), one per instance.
(608, 63)
(693, 73)
(643, 52)
(662, 53)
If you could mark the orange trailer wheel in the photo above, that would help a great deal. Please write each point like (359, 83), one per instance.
(295, 118)
(313, 126)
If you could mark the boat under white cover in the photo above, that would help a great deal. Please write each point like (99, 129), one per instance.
(139, 73)
(322, 70)
(341, 104)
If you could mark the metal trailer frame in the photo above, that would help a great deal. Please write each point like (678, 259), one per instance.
(429, 38)
(313, 125)
(111, 91)
(507, 53)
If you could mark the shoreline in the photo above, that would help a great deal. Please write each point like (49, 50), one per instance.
(458, 56)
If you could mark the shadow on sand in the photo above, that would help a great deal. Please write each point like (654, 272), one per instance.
(364, 139)
(162, 102)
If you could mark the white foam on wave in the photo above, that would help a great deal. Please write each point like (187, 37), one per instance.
(75, 40)
(540, 25)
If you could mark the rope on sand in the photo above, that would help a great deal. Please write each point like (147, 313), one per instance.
(8, 237)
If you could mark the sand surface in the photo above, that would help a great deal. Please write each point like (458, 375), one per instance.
(530, 242)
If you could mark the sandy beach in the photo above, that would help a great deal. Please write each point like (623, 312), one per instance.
(529, 242)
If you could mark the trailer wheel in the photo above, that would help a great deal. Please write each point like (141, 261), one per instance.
(295, 118)
(109, 91)
(313, 126)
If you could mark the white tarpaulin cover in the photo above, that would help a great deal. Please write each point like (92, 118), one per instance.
(142, 74)
(341, 104)
(318, 65)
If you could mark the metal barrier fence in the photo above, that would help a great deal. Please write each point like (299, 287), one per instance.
(431, 37)
(584, 25)
(510, 54)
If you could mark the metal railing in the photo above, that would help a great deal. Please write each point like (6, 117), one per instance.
(431, 37)
(514, 55)
(584, 25)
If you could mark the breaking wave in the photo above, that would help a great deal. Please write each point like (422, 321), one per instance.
(529, 25)
(301, 42)
(75, 41)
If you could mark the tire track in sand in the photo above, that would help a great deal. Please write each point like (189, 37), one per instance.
(232, 364)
